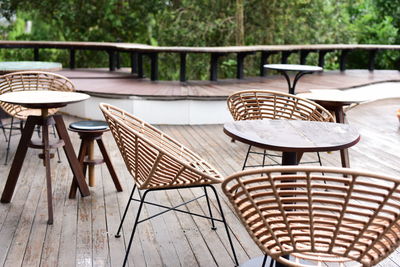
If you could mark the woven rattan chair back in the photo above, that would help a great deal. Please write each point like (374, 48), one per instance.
(31, 81)
(263, 104)
(354, 216)
(154, 159)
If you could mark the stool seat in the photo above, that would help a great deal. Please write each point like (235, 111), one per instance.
(89, 125)
(89, 132)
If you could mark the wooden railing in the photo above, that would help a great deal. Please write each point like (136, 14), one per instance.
(137, 51)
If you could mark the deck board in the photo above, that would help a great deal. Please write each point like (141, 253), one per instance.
(84, 228)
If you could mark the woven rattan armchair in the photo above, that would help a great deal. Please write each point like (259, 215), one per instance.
(29, 81)
(263, 104)
(299, 220)
(158, 162)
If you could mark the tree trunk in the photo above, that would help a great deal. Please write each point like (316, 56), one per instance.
(239, 22)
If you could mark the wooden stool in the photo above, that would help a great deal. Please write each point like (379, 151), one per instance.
(89, 131)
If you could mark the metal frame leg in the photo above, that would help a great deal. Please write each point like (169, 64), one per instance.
(142, 201)
(209, 209)
(319, 159)
(4, 130)
(272, 262)
(245, 160)
(117, 235)
(225, 224)
(134, 226)
(264, 260)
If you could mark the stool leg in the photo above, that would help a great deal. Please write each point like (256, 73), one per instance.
(109, 165)
(81, 157)
(92, 178)
(71, 156)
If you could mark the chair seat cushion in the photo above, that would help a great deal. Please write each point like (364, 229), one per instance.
(89, 125)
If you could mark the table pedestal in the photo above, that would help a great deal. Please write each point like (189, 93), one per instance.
(292, 86)
(26, 142)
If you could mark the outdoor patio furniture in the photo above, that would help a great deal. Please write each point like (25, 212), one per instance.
(30, 81)
(293, 137)
(44, 101)
(90, 131)
(334, 101)
(297, 219)
(264, 104)
(158, 162)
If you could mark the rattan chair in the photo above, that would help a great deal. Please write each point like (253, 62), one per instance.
(298, 220)
(29, 81)
(158, 162)
(263, 104)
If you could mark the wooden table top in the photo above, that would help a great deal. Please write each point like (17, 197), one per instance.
(293, 135)
(333, 96)
(293, 67)
(13, 66)
(43, 99)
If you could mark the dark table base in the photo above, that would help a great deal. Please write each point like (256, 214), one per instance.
(26, 142)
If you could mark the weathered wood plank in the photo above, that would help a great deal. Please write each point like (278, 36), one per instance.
(22, 214)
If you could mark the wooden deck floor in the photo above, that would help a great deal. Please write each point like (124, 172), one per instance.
(122, 83)
(84, 228)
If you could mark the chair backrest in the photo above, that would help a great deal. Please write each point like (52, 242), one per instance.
(318, 213)
(31, 81)
(264, 104)
(154, 159)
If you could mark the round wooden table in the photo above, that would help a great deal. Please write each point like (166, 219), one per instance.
(43, 100)
(334, 101)
(300, 69)
(13, 66)
(293, 137)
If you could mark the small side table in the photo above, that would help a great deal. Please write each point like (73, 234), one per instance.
(300, 69)
(43, 100)
(90, 131)
(334, 101)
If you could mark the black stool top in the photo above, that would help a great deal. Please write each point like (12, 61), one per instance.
(89, 125)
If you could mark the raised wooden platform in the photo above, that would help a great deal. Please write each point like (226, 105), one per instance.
(122, 84)
(83, 230)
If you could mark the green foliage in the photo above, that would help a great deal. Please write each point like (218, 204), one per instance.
(203, 23)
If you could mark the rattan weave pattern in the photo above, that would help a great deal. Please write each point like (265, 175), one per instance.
(354, 218)
(154, 159)
(31, 81)
(264, 104)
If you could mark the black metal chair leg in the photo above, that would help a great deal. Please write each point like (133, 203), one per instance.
(9, 141)
(225, 224)
(134, 227)
(264, 260)
(117, 235)
(245, 160)
(264, 156)
(4, 130)
(209, 209)
(38, 131)
(319, 159)
(272, 262)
